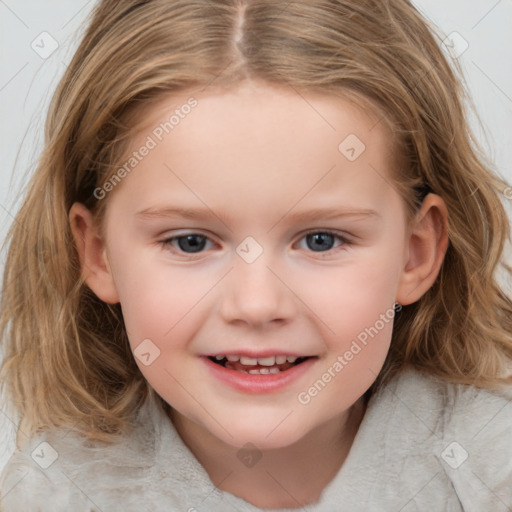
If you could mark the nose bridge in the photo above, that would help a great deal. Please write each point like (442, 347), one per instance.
(254, 293)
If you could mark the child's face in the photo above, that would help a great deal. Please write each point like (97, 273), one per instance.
(251, 282)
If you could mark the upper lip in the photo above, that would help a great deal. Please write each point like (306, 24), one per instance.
(256, 355)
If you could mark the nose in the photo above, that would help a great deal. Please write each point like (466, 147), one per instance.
(255, 294)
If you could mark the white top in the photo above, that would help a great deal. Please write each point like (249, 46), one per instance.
(423, 445)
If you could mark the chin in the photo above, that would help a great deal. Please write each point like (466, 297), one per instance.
(265, 436)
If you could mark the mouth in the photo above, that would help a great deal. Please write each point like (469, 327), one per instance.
(269, 365)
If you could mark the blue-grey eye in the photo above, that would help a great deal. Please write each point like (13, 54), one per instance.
(190, 243)
(320, 241)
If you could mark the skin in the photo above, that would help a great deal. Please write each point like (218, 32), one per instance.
(256, 155)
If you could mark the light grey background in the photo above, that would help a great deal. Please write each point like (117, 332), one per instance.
(27, 82)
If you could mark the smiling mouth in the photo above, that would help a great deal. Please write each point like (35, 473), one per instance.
(258, 366)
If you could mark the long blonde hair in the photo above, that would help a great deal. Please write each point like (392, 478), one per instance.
(67, 360)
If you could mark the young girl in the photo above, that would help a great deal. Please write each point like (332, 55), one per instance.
(256, 269)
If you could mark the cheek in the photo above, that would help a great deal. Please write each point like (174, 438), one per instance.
(161, 306)
(156, 298)
(356, 307)
(357, 314)
(351, 298)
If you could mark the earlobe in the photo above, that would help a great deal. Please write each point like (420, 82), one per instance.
(427, 245)
(92, 253)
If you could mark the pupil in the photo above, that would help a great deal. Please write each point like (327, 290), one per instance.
(324, 241)
(192, 243)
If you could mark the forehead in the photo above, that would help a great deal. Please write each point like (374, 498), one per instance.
(264, 102)
(232, 142)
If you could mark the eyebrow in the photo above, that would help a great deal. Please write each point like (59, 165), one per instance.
(331, 213)
(206, 213)
(185, 213)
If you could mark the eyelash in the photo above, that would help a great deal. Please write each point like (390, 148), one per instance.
(167, 243)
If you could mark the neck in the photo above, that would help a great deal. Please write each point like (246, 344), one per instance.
(288, 477)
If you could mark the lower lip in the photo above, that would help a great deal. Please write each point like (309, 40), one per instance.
(258, 384)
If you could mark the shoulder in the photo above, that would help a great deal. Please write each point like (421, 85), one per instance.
(60, 471)
(26, 485)
(468, 430)
(477, 447)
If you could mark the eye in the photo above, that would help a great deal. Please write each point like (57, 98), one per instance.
(323, 241)
(189, 243)
(315, 241)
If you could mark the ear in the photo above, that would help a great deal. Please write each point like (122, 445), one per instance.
(92, 252)
(426, 247)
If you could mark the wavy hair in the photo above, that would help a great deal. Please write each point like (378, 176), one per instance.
(67, 360)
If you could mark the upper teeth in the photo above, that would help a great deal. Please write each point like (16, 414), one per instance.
(262, 361)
